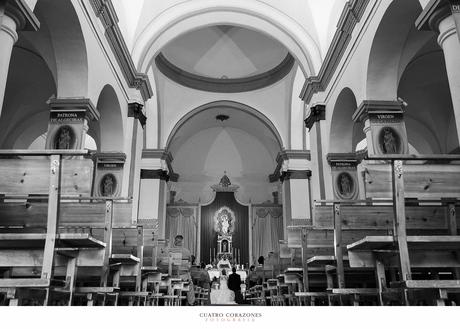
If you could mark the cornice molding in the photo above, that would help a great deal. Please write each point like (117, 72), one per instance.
(198, 82)
(105, 11)
(377, 107)
(434, 12)
(284, 156)
(162, 155)
(135, 111)
(155, 174)
(352, 159)
(20, 12)
(75, 104)
(317, 113)
(111, 157)
(351, 16)
(295, 174)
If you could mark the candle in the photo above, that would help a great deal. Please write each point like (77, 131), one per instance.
(210, 255)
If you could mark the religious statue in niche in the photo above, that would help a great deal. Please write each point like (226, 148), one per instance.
(389, 141)
(108, 185)
(224, 220)
(345, 184)
(64, 138)
(224, 246)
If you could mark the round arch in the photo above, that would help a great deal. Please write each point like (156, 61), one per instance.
(61, 43)
(344, 134)
(109, 130)
(255, 15)
(395, 43)
(229, 105)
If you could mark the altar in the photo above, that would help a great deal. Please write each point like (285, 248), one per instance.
(215, 273)
(224, 226)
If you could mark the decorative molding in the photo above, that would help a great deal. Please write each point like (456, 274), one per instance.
(293, 154)
(105, 11)
(155, 174)
(135, 111)
(377, 107)
(162, 155)
(295, 174)
(351, 16)
(112, 157)
(157, 154)
(284, 156)
(343, 159)
(195, 81)
(317, 113)
(434, 12)
(21, 13)
(72, 104)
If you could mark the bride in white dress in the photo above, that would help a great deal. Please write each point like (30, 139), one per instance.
(223, 295)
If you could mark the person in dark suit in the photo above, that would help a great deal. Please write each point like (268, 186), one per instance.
(234, 284)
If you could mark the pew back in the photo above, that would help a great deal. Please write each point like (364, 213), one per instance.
(424, 181)
(32, 176)
(26, 214)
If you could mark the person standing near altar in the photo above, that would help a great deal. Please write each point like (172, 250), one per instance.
(234, 284)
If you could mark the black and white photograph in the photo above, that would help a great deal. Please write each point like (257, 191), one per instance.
(229, 163)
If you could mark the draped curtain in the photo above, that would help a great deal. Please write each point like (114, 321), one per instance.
(267, 230)
(240, 235)
(182, 220)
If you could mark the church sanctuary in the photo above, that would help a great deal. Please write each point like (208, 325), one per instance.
(229, 152)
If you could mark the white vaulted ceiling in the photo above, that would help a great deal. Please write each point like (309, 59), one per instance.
(225, 52)
(317, 17)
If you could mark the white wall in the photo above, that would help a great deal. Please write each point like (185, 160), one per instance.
(202, 160)
(176, 101)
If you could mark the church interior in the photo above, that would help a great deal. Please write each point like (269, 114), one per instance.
(229, 152)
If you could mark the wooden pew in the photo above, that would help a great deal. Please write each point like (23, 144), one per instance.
(442, 181)
(26, 199)
(338, 224)
(51, 176)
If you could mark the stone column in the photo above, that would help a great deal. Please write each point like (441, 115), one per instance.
(296, 198)
(137, 120)
(68, 124)
(153, 191)
(293, 171)
(14, 16)
(313, 123)
(443, 17)
(384, 127)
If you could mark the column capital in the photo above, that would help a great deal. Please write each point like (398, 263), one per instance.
(376, 108)
(135, 111)
(317, 113)
(295, 174)
(73, 105)
(343, 159)
(287, 155)
(164, 160)
(111, 157)
(21, 13)
(155, 174)
(434, 12)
